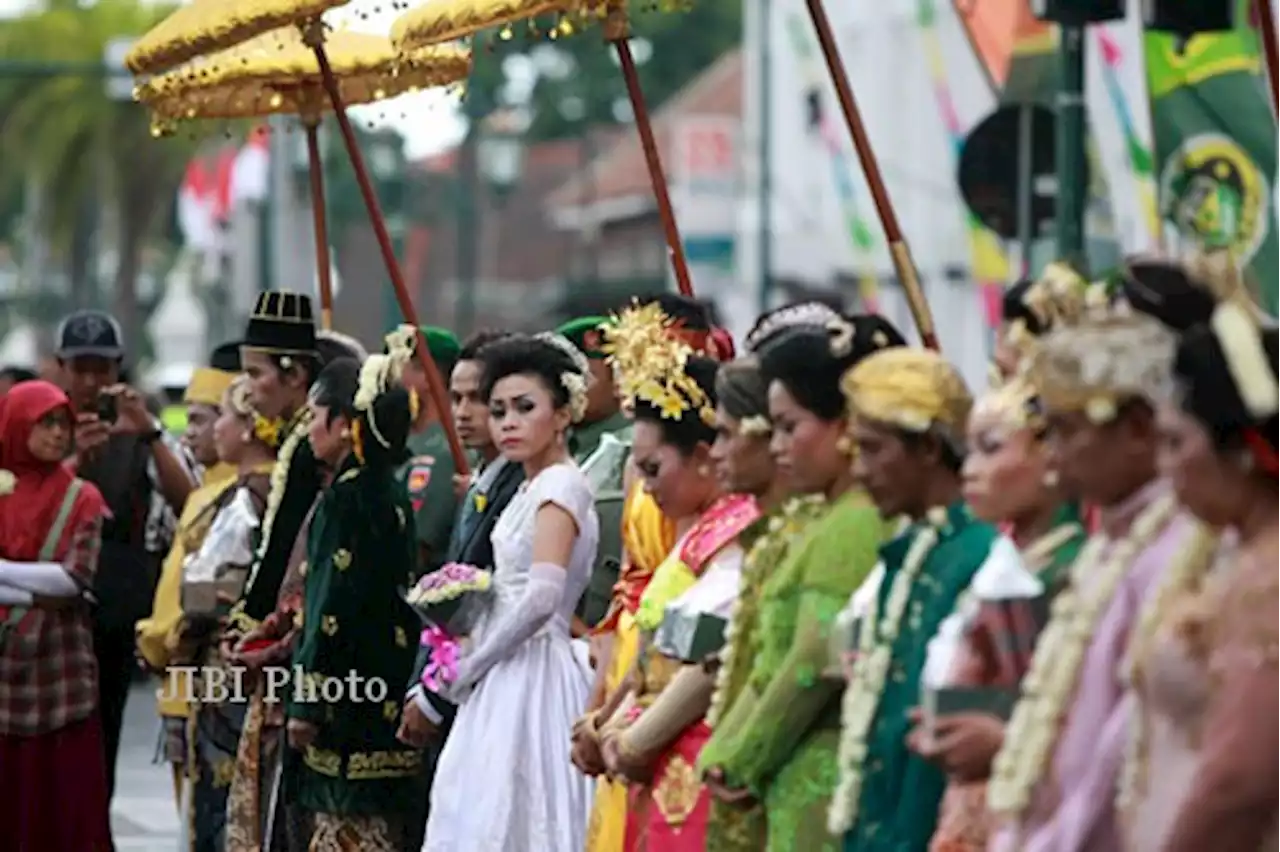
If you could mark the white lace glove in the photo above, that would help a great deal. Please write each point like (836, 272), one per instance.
(542, 594)
(39, 578)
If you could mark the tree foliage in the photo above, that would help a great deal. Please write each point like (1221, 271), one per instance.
(91, 154)
(578, 83)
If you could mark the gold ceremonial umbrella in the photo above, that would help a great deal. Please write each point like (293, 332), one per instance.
(276, 73)
(208, 26)
(444, 20)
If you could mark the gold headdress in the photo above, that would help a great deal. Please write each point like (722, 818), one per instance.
(1058, 297)
(649, 359)
(1095, 366)
(1015, 403)
(912, 389)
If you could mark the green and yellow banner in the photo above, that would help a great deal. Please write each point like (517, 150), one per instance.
(1215, 139)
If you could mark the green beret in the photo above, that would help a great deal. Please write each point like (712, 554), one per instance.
(584, 333)
(443, 346)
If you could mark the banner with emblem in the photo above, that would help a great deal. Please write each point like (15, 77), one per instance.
(1216, 147)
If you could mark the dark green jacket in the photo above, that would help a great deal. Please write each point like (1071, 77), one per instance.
(360, 554)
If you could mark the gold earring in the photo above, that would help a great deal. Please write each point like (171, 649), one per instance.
(1050, 479)
(844, 445)
(246, 437)
(704, 470)
(346, 434)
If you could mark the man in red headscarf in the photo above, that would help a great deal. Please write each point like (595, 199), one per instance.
(50, 532)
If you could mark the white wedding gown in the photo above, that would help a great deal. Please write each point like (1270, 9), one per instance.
(504, 782)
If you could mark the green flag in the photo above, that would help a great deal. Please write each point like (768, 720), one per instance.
(1216, 147)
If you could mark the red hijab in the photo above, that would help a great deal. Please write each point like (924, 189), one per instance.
(28, 513)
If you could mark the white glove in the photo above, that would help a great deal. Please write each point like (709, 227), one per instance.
(542, 594)
(11, 596)
(39, 578)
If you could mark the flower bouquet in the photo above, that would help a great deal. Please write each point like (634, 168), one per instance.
(452, 597)
(450, 601)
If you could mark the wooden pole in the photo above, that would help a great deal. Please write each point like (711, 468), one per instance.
(313, 35)
(320, 220)
(898, 250)
(1267, 34)
(617, 31)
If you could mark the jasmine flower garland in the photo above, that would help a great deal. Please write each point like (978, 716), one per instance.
(1055, 668)
(1197, 557)
(861, 700)
(279, 479)
(781, 525)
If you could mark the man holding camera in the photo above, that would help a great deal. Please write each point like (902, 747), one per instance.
(145, 477)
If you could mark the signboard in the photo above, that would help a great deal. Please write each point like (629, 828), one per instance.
(706, 154)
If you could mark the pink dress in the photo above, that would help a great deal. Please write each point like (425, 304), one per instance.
(1208, 698)
(1073, 807)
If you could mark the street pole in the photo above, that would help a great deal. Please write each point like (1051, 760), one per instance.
(765, 247)
(1070, 147)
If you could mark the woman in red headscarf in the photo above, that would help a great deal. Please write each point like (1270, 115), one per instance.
(51, 758)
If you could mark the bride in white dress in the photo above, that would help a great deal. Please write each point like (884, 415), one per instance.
(505, 782)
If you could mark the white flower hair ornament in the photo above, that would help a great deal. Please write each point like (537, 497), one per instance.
(575, 381)
(842, 333)
(755, 426)
(1246, 358)
(379, 373)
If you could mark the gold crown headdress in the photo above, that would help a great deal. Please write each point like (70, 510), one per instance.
(649, 360)
(1096, 366)
(1016, 404)
(1060, 296)
(912, 389)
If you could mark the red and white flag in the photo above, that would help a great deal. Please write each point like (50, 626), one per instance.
(195, 211)
(249, 171)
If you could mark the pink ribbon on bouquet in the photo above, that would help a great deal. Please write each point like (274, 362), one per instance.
(442, 665)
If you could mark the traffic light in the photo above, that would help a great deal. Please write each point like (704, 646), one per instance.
(1078, 12)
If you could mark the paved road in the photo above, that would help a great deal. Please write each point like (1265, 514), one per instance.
(144, 817)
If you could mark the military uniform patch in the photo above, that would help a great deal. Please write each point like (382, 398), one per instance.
(419, 478)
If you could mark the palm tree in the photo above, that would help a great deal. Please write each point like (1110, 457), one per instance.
(92, 155)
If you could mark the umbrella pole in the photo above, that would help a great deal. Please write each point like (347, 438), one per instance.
(435, 384)
(616, 33)
(319, 217)
(1267, 34)
(898, 249)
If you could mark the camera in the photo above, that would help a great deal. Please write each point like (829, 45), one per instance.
(108, 410)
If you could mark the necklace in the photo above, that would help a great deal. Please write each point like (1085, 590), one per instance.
(279, 480)
(768, 551)
(1197, 557)
(1075, 614)
(861, 699)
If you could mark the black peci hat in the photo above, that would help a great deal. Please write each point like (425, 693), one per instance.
(282, 323)
(226, 358)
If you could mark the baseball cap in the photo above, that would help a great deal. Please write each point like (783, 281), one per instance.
(91, 333)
